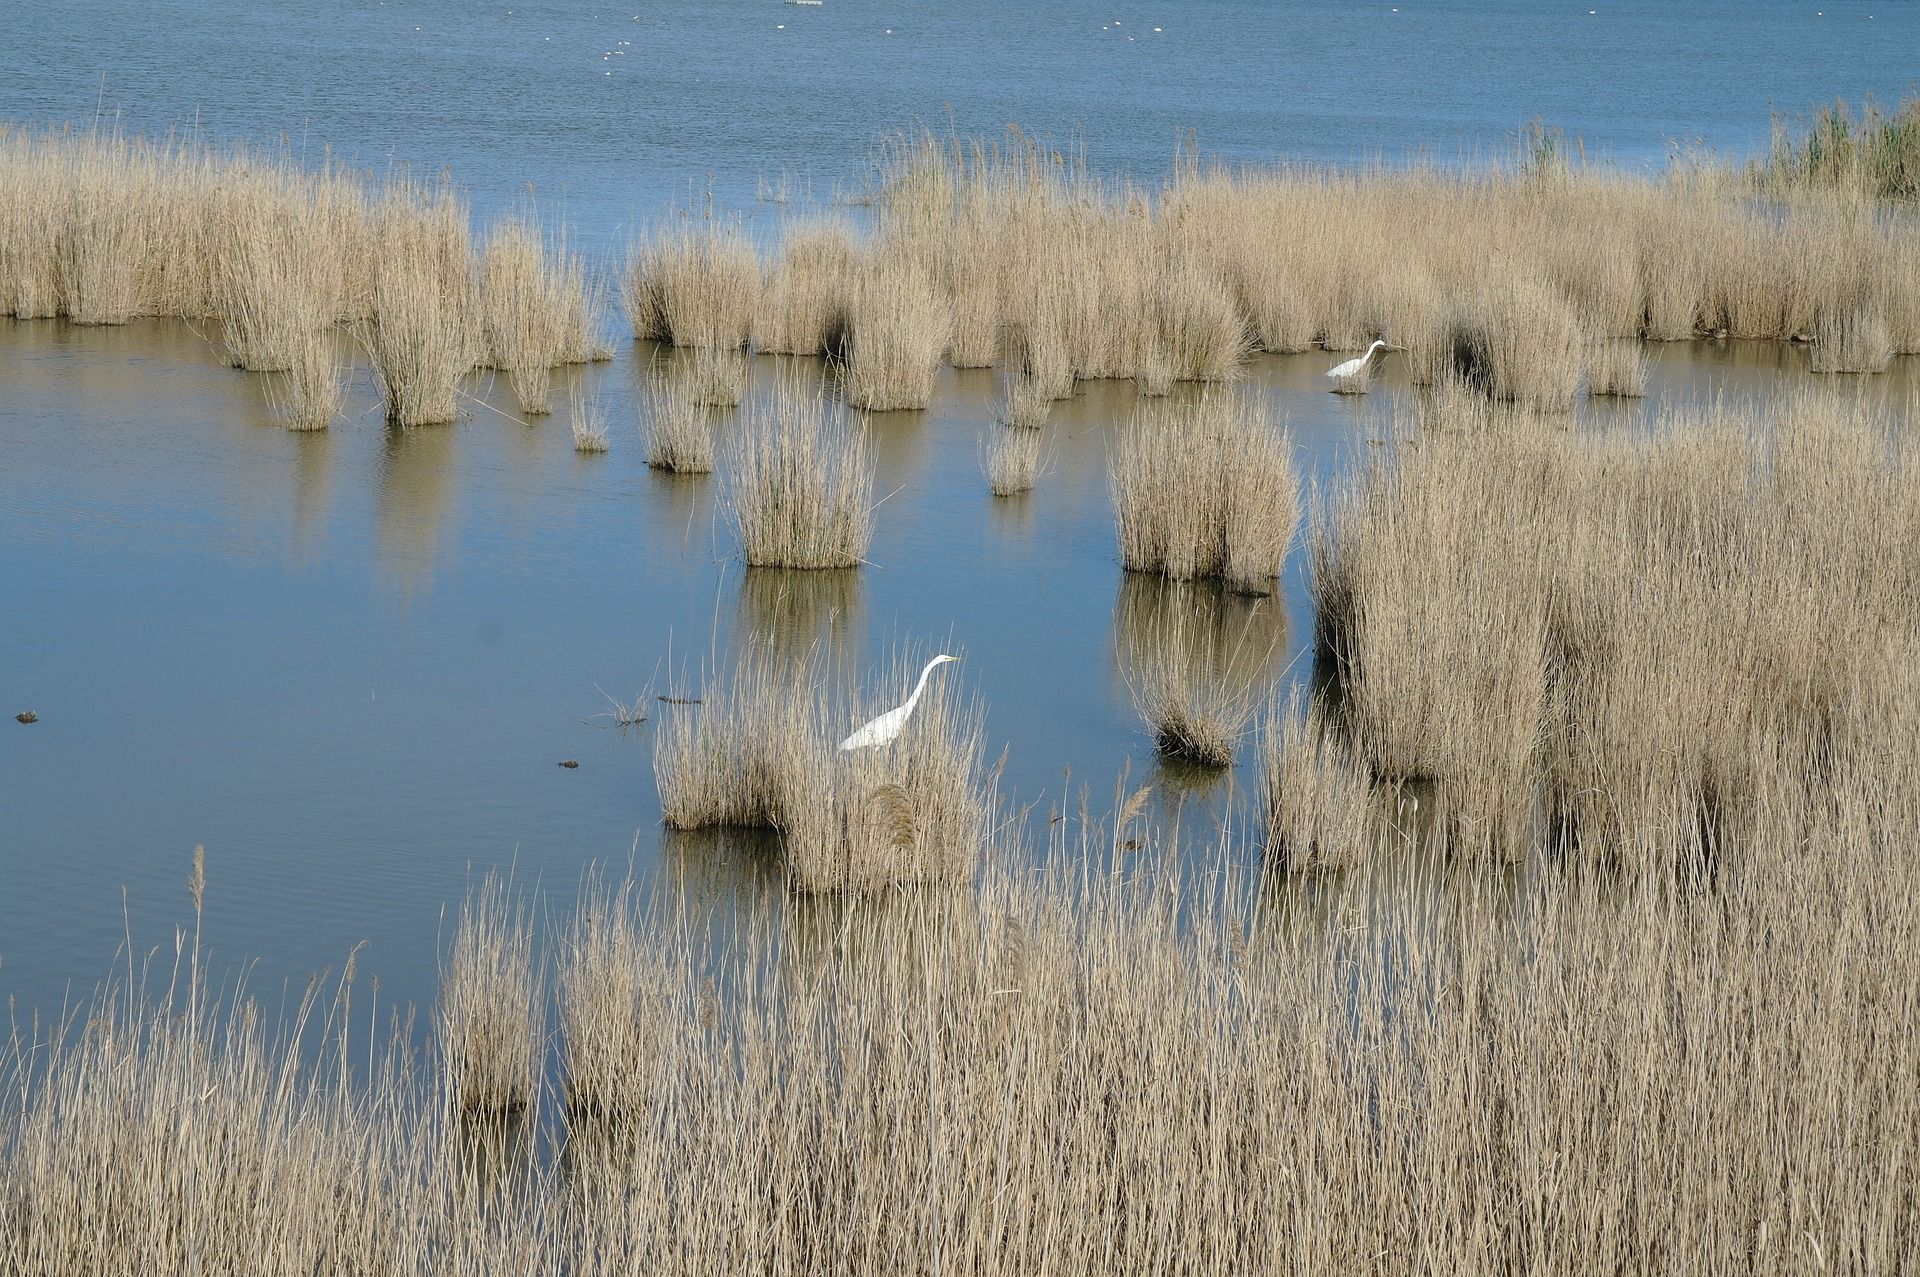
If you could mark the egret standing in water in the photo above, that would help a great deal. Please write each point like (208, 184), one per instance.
(883, 729)
(1354, 367)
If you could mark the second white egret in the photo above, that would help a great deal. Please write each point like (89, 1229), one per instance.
(1354, 367)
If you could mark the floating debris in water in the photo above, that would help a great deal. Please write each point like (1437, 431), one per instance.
(569, 763)
(26, 716)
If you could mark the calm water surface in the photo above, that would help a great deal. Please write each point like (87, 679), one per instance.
(349, 663)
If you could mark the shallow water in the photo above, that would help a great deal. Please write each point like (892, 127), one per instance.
(611, 110)
(349, 662)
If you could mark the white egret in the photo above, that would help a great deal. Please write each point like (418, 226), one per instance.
(881, 730)
(1354, 367)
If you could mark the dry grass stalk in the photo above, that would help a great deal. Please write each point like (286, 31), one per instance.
(424, 334)
(1206, 488)
(1011, 459)
(679, 428)
(1025, 404)
(309, 394)
(717, 378)
(693, 285)
(800, 482)
(1617, 369)
(1320, 803)
(490, 1019)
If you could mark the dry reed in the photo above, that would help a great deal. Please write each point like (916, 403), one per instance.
(804, 306)
(489, 1018)
(693, 285)
(896, 337)
(1206, 487)
(1616, 369)
(679, 429)
(800, 482)
(1852, 341)
(1011, 459)
(587, 416)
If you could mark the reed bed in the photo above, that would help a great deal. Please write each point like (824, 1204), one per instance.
(758, 752)
(1072, 1071)
(1011, 458)
(536, 309)
(1206, 487)
(800, 482)
(1616, 369)
(803, 310)
(897, 334)
(1627, 643)
(1321, 805)
(1852, 341)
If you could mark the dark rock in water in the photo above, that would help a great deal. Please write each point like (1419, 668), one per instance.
(26, 716)
(570, 762)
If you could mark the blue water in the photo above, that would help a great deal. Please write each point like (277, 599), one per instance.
(611, 110)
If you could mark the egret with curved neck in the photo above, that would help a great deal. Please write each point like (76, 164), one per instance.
(883, 729)
(1353, 367)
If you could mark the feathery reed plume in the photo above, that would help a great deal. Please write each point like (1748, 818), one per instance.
(1206, 487)
(693, 285)
(490, 1000)
(800, 482)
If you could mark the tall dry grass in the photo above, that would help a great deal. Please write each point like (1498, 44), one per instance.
(1011, 458)
(800, 482)
(759, 751)
(490, 1020)
(897, 331)
(804, 307)
(678, 426)
(1198, 659)
(693, 285)
(1206, 487)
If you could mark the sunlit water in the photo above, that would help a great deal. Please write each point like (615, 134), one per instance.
(350, 663)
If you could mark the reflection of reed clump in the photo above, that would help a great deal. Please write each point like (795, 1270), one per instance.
(759, 751)
(1198, 659)
(800, 480)
(796, 615)
(1206, 487)
(1646, 642)
(490, 1017)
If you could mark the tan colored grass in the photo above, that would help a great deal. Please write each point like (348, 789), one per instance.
(489, 1019)
(587, 416)
(1011, 458)
(800, 480)
(717, 378)
(897, 336)
(759, 751)
(678, 427)
(1617, 369)
(693, 285)
(425, 334)
(803, 310)
(1522, 344)
(309, 395)
(1852, 341)
(1206, 487)
(1198, 658)
(1320, 803)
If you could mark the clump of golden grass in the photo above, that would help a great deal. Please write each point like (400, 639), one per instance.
(1521, 344)
(800, 482)
(758, 750)
(1851, 341)
(531, 307)
(1024, 404)
(423, 336)
(1198, 659)
(717, 378)
(1616, 368)
(617, 1018)
(896, 337)
(693, 285)
(309, 394)
(1877, 154)
(1639, 668)
(1194, 716)
(588, 417)
(679, 428)
(1320, 802)
(1206, 487)
(809, 291)
(489, 1019)
(1011, 459)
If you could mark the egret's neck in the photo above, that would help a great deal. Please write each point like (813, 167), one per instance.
(921, 686)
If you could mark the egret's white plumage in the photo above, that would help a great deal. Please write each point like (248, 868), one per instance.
(880, 730)
(1353, 367)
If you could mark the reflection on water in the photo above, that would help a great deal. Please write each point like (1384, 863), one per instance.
(800, 618)
(312, 488)
(418, 483)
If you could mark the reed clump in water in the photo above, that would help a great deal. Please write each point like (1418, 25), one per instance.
(1011, 459)
(489, 1018)
(1320, 803)
(424, 335)
(717, 378)
(758, 751)
(693, 285)
(1851, 341)
(809, 291)
(1616, 369)
(1206, 487)
(679, 428)
(536, 311)
(1876, 154)
(800, 482)
(1641, 667)
(587, 416)
(897, 333)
